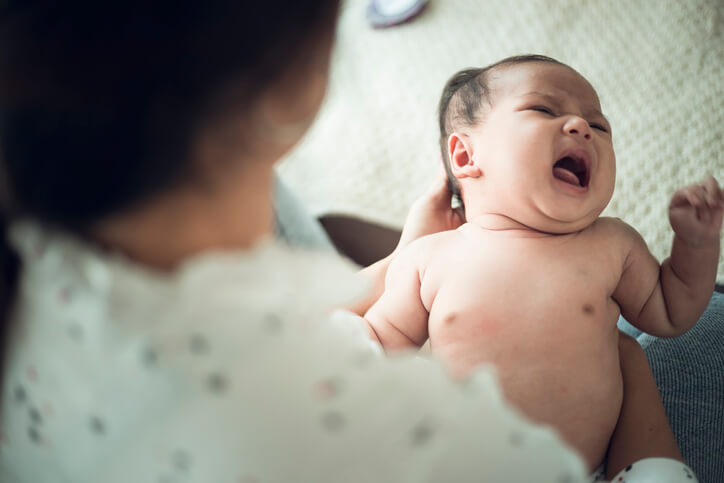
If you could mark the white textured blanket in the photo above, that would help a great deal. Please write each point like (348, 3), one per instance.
(658, 67)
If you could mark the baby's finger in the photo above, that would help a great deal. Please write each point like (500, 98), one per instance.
(680, 198)
(695, 196)
(714, 196)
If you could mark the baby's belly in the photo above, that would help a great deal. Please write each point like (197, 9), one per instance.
(557, 362)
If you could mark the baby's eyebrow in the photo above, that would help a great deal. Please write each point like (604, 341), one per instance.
(548, 97)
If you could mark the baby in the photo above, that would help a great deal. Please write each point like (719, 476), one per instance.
(535, 280)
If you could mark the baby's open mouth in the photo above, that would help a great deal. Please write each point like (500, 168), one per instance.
(572, 169)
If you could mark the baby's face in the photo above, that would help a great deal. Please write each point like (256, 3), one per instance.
(545, 148)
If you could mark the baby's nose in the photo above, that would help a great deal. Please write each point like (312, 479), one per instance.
(578, 126)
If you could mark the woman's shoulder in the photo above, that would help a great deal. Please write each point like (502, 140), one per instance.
(269, 269)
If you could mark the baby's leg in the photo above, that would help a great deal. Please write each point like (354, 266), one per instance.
(643, 430)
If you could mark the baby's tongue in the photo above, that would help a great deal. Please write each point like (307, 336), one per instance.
(565, 175)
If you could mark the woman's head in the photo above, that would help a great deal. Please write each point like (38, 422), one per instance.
(100, 102)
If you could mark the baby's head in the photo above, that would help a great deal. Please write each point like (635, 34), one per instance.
(525, 138)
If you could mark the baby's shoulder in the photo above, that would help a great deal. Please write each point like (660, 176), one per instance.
(612, 226)
(436, 241)
(430, 246)
(615, 232)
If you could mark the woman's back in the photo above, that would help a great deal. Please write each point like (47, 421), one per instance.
(226, 371)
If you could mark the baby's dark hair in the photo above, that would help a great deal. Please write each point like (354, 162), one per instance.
(463, 98)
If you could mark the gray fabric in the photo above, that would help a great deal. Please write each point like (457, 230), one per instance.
(689, 371)
(294, 224)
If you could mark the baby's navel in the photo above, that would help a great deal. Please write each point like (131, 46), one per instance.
(588, 309)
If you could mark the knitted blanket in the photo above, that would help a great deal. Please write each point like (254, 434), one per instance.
(658, 66)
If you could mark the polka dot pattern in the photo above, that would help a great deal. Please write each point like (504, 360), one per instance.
(272, 323)
(149, 356)
(97, 426)
(75, 332)
(34, 435)
(20, 394)
(333, 421)
(327, 389)
(199, 345)
(217, 383)
(422, 433)
(654, 469)
(181, 460)
(516, 438)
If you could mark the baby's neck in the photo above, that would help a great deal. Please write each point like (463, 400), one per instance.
(502, 223)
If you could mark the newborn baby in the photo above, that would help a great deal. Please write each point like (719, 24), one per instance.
(535, 280)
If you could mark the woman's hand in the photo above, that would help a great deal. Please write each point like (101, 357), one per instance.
(432, 212)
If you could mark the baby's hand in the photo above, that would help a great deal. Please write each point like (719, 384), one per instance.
(695, 212)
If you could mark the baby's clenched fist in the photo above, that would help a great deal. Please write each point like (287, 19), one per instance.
(695, 212)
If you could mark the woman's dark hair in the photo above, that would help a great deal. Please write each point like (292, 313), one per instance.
(462, 100)
(99, 101)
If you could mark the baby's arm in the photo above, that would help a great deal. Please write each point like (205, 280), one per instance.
(398, 319)
(667, 300)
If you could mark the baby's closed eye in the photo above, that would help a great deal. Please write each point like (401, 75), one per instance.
(542, 109)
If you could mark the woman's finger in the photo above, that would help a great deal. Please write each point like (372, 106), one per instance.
(459, 215)
(439, 189)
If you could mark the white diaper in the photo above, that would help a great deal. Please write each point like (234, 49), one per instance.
(650, 470)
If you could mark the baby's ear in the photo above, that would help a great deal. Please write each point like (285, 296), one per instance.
(460, 152)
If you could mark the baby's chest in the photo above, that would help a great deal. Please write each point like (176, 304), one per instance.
(528, 280)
